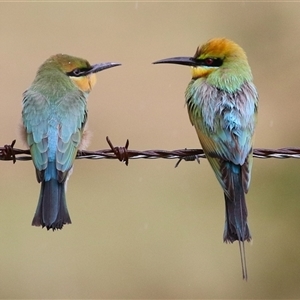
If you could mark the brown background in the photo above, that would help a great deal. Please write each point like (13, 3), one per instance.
(149, 230)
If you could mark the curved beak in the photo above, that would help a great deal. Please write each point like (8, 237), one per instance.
(186, 61)
(102, 66)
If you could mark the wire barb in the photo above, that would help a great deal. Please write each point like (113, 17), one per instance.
(123, 154)
(188, 158)
(120, 152)
(8, 153)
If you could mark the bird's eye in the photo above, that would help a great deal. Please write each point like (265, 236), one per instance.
(209, 61)
(213, 61)
(79, 72)
(76, 72)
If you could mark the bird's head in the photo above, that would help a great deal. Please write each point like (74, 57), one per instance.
(79, 70)
(221, 61)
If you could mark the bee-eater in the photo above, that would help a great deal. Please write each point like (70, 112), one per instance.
(54, 116)
(222, 105)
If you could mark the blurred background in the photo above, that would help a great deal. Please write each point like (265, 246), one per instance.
(149, 230)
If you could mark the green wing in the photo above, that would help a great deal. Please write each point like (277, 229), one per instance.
(51, 122)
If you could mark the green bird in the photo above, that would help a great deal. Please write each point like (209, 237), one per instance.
(222, 105)
(54, 116)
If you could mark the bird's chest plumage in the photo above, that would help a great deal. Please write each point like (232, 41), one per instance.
(224, 121)
(212, 109)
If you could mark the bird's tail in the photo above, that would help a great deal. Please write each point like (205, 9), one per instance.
(236, 227)
(52, 211)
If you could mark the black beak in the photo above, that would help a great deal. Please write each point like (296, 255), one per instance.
(186, 61)
(102, 66)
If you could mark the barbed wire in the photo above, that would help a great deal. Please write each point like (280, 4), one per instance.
(123, 154)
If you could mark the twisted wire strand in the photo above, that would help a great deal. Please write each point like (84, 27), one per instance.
(123, 154)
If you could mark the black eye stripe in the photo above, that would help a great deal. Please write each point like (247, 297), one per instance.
(78, 72)
(210, 62)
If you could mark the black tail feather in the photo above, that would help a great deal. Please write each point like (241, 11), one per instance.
(52, 211)
(236, 226)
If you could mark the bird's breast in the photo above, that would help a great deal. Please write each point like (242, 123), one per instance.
(216, 109)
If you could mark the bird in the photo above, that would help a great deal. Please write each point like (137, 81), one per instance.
(222, 104)
(54, 116)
